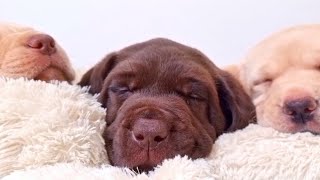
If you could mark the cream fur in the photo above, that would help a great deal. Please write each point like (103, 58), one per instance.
(283, 68)
(58, 137)
(19, 59)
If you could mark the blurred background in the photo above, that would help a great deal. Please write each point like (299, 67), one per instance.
(223, 30)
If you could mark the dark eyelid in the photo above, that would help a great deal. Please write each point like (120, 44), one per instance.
(124, 75)
(119, 88)
(197, 96)
(192, 96)
(199, 90)
(123, 79)
(195, 89)
(193, 80)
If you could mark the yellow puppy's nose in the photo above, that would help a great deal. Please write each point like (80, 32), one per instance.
(43, 42)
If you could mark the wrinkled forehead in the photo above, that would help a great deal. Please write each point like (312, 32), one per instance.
(163, 68)
(274, 61)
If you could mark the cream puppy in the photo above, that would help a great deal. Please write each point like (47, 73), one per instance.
(25, 52)
(282, 76)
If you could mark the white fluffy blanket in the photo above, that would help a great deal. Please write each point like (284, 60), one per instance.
(53, 131)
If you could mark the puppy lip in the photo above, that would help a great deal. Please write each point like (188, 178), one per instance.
(148, 163)
(146, 158)
(300, 127)
(66, 76)
(145, 161)
(144, 167)
(37, 77)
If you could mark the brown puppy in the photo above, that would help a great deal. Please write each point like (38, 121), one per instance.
(25, 52)
(281, 74)
(165, 99)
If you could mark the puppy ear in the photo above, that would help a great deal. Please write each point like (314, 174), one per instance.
(96, 75)
(235, 103)
(235, 71)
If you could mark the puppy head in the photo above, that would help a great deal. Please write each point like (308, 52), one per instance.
(282, 76)
(25, 52)
(164, 99)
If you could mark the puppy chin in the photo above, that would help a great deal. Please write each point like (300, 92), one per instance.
(285, 125)
(276, 121)
(51, 74)
(313, 126)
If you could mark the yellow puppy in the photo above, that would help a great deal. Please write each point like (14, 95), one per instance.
(282, 76)
(25, 52)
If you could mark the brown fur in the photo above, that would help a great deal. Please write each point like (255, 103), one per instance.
(160, 86)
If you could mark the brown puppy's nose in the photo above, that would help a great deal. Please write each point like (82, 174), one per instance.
(43, 42)
(300, 110)
(148, 133)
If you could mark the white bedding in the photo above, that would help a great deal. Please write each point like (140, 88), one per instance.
(53, 131)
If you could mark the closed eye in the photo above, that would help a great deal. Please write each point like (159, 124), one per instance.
(191, 96)
(196, 97)
(120, 89)
(265, 81)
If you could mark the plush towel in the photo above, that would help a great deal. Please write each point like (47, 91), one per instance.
(53, 131)
(43, 123)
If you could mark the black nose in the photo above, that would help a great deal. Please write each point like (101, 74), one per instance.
(148, 133)
(300, 110)
(43, 42)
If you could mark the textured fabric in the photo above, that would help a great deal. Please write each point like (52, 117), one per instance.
(253, 153)
(263, 153)
(59, 137)
(42, 123)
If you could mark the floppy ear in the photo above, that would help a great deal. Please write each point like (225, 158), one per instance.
(96, 75)
(235, 103)
(235, 71)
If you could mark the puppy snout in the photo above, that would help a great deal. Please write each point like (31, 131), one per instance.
(300, 109)
(42, 42)
(148, 133)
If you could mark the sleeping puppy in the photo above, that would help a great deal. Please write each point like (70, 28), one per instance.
(282, 76)
(25, 52)
(165, 99)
